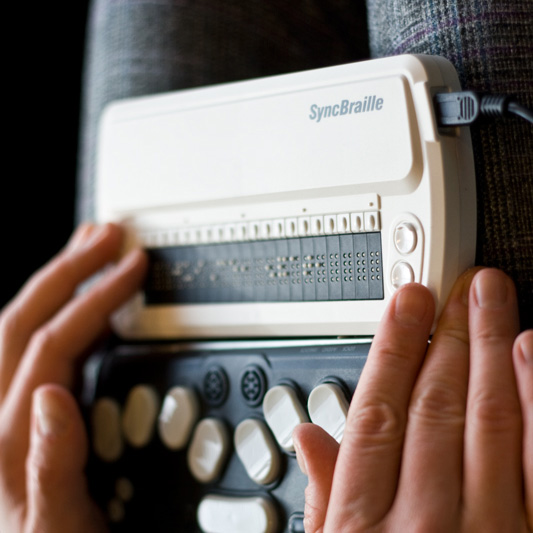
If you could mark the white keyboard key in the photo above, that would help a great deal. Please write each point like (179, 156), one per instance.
(283, 412)
(140, 413)
(328, 409)
(223, 514)
(107, 434)
(177, 418)
(208, 450)
(257, 451)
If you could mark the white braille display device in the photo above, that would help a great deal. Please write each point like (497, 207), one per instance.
(279, 216)
(289, 206)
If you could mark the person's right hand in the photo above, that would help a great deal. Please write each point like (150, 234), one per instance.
(439, 439)
(43, 333)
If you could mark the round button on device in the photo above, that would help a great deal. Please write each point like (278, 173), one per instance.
(405, 238)
(215, 386)
(257, 451)
(253, 385)
(402, 273)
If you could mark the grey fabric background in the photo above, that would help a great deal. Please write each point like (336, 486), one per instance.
(490, 43)
(140, 47)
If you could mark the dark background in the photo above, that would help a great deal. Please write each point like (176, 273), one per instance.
(41, 100)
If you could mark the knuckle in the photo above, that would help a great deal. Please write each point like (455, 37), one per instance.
(65, 268)
(43, 341)
(11, 326)
(9, 475)
(495, 413)
(42, 476)
(493, 335)
(438, 403)
(377, 423)
(312, 523)
(456, 334)
(494, 523)
(353, 519)
(395, 352)
(427, 523)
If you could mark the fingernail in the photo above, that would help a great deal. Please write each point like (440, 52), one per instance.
(526, 348)
(467, 282)
(81, 234)
(131, 260)
(300, 459)
(490, 289)
(51, 418)
(411, 307)
(97, 235)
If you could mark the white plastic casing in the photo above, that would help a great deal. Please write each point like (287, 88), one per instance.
(233, 161)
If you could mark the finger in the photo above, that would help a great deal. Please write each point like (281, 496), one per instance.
(433, 451)
(523, 364)
(316, 452)
(369, 458)
(493, 435)
(49, 289)
(57, 495)
(52, 352)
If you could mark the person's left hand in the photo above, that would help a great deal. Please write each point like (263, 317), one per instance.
(43, 332)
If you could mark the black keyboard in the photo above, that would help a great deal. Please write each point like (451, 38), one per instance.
(198, 437)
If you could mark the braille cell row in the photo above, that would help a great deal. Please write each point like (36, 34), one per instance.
(268, 271)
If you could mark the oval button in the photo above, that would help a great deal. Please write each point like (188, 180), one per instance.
(208, 450)
(283, 412)
(178, 416)
(328, 408)
(405, 238)
(140, 414)
(223, 514)
(402, 273)
(107, 435)
(257, 451)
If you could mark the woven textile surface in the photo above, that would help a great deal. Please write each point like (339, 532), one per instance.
(138, 47)
(490, 43)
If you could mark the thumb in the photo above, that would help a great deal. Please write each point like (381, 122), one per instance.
(316, 452)
(57, 494)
